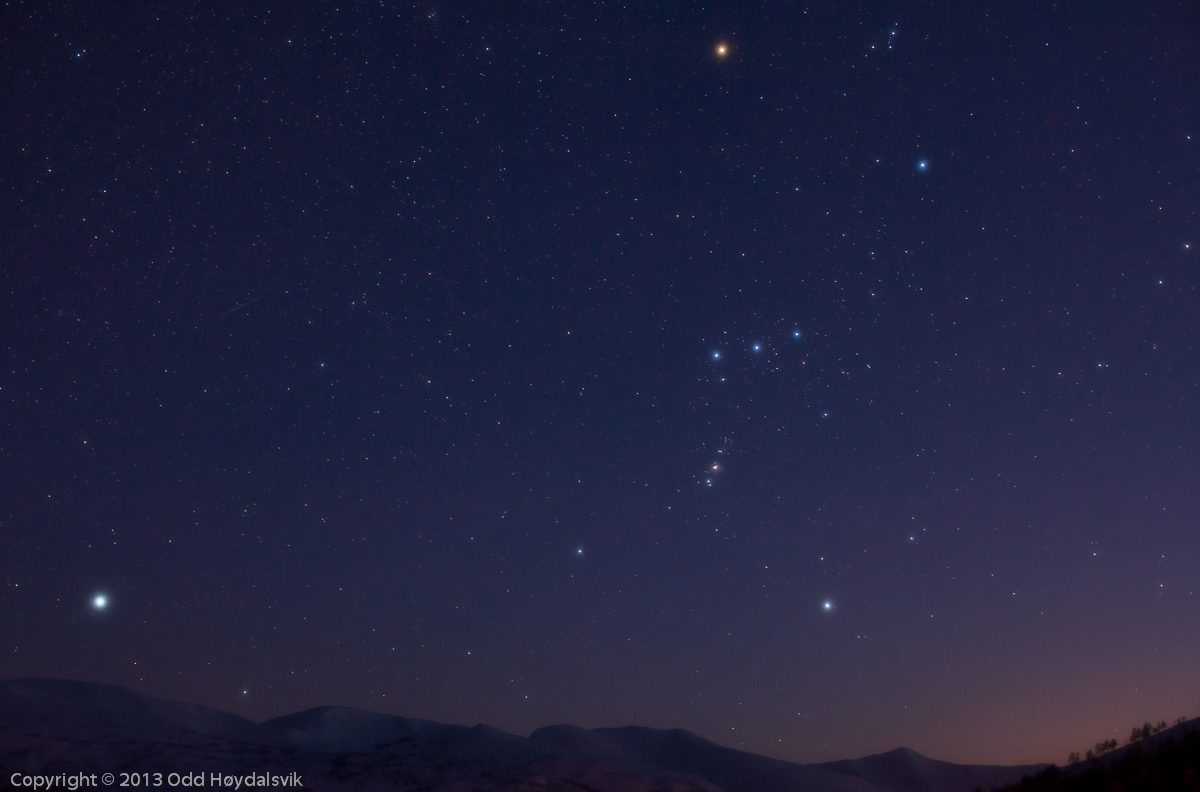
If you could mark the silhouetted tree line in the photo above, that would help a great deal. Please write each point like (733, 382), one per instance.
(1173, 765)
(1139, 733)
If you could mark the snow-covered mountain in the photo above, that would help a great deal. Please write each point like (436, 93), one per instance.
(55, 726)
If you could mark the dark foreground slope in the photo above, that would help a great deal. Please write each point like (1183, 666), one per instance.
(1166, 762)
(55, 726)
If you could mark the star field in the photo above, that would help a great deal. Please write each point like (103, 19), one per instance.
(817, 379)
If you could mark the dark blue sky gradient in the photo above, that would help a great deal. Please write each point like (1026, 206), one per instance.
(364, 355)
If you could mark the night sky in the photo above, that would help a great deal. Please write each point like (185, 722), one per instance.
(820, 378)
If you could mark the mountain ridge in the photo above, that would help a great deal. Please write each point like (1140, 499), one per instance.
(64, 723)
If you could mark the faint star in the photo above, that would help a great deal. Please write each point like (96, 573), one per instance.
(922, 165)
(756, 347)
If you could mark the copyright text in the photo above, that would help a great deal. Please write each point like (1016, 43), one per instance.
(70, 782)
